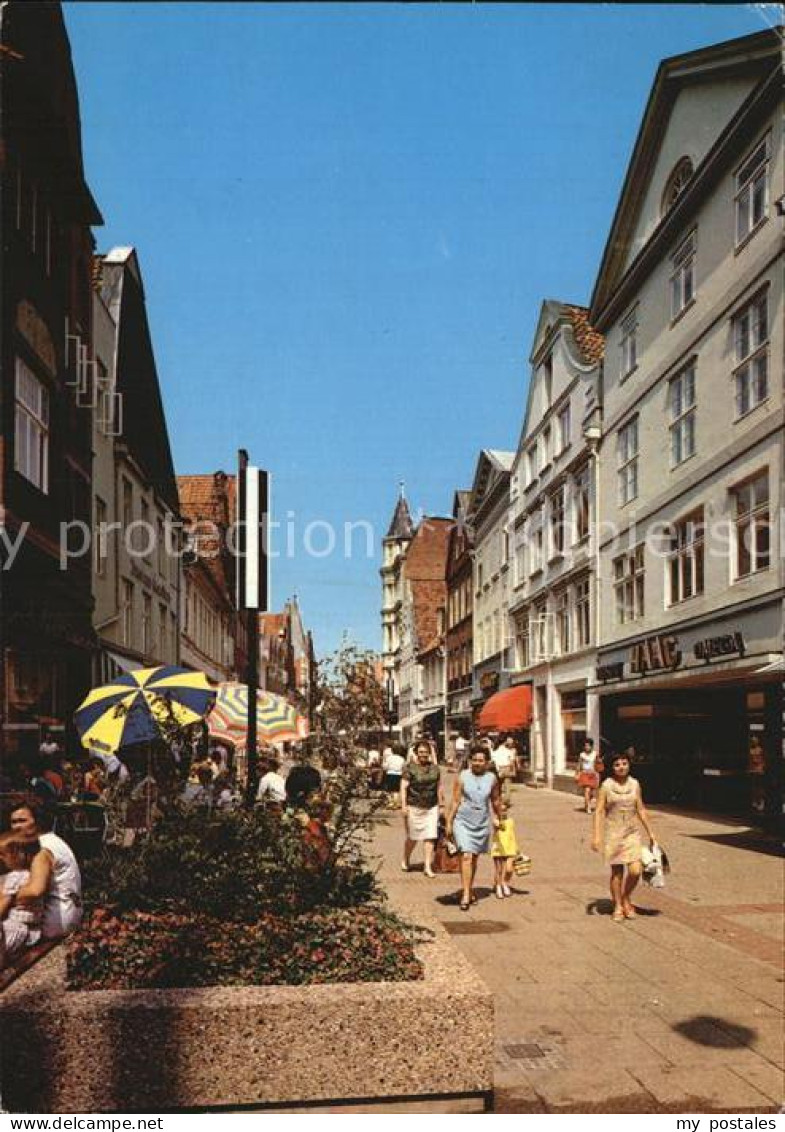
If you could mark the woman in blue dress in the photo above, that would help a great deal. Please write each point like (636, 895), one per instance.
(469, 821)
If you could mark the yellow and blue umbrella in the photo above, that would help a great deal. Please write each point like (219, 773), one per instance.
(133, 708)
(276, 719)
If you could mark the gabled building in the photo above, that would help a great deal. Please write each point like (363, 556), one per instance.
(46, 633)
(137, 542)
(553, 503)
(689, 297)
(211, 628)
(423, 597)
(275, 667)
(489, 515)
(458, 628)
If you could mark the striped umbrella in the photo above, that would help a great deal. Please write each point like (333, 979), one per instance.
(276, 719)
(133, 708)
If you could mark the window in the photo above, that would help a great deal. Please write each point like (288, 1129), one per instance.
(751, 346)
(676, 184)
(173, 637)
(564, 428)
(557, 522)
(547, 380)
(563, 622)
(685, 563)
(522, 643)
(99, 538)
(479, 576)
(582, 504)
(546, 447)
(159, 534)
(532, 464)
(128, 505)
(520, 563)
(128, 612)
(31, 458)
(681, 396)
(505, 546)
(628, 575)
(683, 276)
(539, 633)
(627, 449)
(147, 617)
(629, 343)
(752, 191)
(146, 535)
(536, 543)
(753, 550)
(582, 614)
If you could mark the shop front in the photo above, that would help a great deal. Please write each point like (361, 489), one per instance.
(700, 712)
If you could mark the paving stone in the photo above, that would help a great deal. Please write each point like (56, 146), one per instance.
(716, 1088)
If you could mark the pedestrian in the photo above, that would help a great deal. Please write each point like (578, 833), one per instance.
(20, 923)
(393, 764)
(54, 871)
(504, 850)
(420, 805)
(505, 761)
(474, 809)
(272, 785)
(587, 777)
(617, 820)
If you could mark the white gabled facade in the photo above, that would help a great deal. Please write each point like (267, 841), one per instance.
(690, 299)
(553, 507)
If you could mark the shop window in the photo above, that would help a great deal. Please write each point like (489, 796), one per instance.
(685, 561)
(751, 347)
(682, 281)
(627, 456)
(752, 192)
(628, 584)
(31, 456)
(681, 399)
(582, 614)
(753, 523)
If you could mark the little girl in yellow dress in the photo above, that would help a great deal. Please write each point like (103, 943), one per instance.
(504, 850)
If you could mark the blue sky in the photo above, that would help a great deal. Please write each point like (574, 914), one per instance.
(347, 217)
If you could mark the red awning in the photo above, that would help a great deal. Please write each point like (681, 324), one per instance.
(510, 710)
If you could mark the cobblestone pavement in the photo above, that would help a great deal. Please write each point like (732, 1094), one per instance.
(680, 1009)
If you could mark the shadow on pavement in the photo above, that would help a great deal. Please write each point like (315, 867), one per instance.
(705, 1030)
(605, 908)
(750, 839)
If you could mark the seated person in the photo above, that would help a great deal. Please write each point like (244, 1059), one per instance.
(20, 925)
(54, 872)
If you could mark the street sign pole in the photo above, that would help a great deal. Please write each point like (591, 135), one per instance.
(252, 589)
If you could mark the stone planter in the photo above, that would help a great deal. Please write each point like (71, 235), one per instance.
(156, 1051)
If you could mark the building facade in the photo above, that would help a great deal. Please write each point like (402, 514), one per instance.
(423, 596)
(210, 623)
(46, 634)
(690, 299)
(136, 523)
(489, 518)
(553, 507)
(458, 634)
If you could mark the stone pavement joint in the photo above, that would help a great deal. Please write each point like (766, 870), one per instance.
(679, 1010)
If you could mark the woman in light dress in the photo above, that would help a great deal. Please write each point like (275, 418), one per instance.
(420, 805)
(474, 809)
(617, 820)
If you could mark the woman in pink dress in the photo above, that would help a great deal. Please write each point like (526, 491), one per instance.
(617, 820)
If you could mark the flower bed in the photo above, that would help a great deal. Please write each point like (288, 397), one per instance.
(137, 950)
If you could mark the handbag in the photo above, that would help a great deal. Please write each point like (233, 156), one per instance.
(522, 865)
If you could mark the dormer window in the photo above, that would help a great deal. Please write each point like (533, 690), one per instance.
(676, 184)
